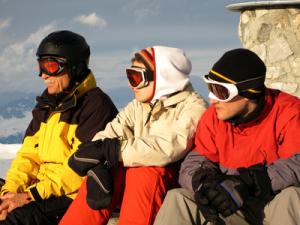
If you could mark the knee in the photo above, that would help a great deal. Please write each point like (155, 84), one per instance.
(148, 175)
(177, 194)
(290, 194)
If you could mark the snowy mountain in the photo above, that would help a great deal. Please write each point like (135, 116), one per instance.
(7, 153)
(15, 115)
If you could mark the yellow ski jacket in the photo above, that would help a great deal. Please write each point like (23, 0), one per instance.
(41, 165)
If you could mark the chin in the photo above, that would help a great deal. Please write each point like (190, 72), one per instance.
(222, 117)
(52, 92)
(139, 98)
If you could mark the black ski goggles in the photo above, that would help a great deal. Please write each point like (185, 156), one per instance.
(139, 77)
(51, 66)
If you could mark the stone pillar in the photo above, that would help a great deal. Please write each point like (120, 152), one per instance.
(272, 30)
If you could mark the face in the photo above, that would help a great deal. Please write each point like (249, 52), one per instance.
(143, 94)
(58, 83)
(237, 107)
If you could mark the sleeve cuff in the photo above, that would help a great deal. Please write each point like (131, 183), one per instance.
(35, 194)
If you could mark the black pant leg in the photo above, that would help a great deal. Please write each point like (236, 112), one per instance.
(44, 212)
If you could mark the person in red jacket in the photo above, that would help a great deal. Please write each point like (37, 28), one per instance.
(245, 167)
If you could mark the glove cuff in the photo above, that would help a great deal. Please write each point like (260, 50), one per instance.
(112, 150)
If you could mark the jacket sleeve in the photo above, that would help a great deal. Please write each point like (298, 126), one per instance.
(25, 166)
(286, 171)
(191, 163)
(121, 126)
(161, 146)
(96, 113)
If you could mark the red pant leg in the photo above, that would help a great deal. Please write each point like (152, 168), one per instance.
(145, 189)
(79, 213)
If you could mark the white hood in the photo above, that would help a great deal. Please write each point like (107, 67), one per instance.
(172, 69)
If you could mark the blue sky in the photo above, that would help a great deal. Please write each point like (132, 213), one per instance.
(114, 29)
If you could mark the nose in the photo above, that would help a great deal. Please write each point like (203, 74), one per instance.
(44, 76)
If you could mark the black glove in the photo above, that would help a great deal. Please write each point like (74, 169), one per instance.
(201, 174)
(257, 179)
(226, 194)
(208, 211)
(92, 153)
(86, 157)
(260, 192)
(99, 186)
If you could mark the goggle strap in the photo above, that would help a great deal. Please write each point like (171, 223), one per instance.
(248, 84)
(243, 85)
(150, 75)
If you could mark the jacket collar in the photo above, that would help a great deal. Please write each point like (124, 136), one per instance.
(161, 105)
(71, 99)
(264, 107)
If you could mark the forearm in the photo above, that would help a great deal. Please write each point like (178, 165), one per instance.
(190, 164)
(285, 172)
(154, 150)
(60, 182)
(18, 177)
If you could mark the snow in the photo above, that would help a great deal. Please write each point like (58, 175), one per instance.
(7, 153)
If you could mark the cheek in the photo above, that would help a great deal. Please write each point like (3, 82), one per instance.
(65, 81)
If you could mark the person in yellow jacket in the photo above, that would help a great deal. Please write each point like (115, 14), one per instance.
(39, 185)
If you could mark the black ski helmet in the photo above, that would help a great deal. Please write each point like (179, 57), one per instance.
(71, 46)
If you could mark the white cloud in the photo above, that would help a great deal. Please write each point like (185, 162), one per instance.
(17, 60)
(4, 23)
(109, 69)
(142, 9)
(91, 20)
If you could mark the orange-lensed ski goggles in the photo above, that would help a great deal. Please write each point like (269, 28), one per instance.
(51, 66)
(139, 77)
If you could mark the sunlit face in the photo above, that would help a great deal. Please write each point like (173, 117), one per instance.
(56, 84)
(237, 107)
(143, 94)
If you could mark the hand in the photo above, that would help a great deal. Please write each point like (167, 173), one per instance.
(3, 214)
(11, 201)
(209, 211)
(224, 193)
(110, 149)
(86, 157)
(257, 179)
(92, 153)
(201, 174)
(99, 186)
